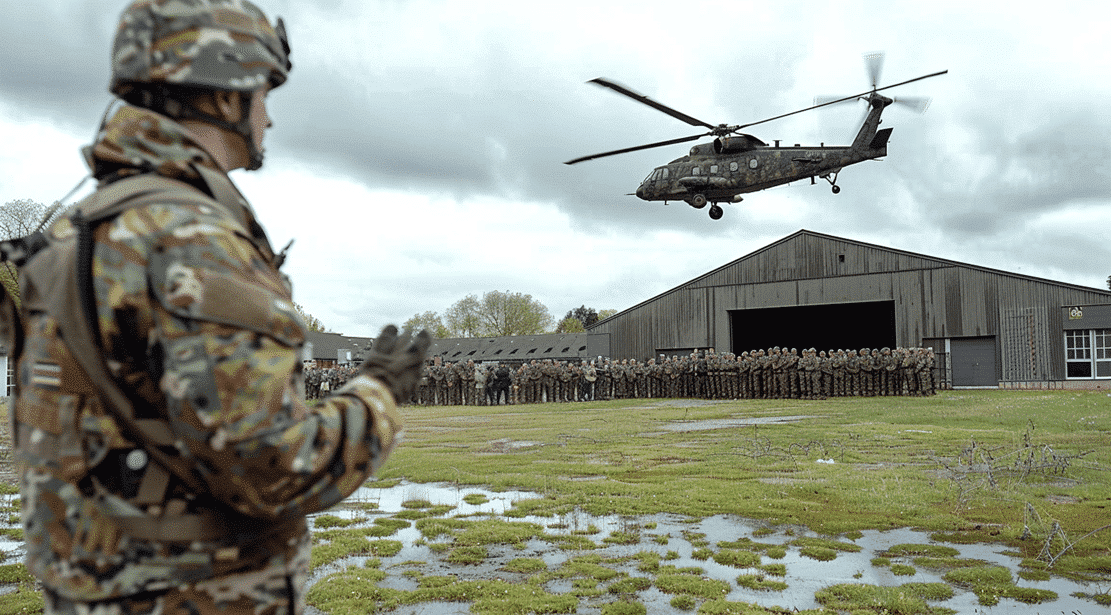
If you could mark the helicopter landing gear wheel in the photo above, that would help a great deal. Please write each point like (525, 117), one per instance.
(698, 201)
(716, 212)
(836, 189)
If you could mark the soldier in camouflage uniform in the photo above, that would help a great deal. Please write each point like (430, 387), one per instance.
(168, 464)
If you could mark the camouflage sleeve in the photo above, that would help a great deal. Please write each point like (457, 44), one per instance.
(186, 289)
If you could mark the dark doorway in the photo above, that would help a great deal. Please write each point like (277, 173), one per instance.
(868, 324)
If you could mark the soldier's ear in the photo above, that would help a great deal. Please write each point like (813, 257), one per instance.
(229, 105)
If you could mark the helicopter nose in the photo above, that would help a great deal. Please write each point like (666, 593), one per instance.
(641, 192)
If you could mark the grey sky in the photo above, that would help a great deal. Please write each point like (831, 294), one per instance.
(417, 150)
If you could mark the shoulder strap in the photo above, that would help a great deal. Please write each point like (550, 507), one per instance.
(73, 304)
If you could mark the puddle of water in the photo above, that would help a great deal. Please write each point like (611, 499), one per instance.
(730, 423)
(804, 576)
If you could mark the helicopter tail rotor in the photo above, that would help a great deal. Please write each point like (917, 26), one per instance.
(873, 62)
(917, 104)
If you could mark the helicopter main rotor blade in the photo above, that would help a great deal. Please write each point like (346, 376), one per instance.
(637, 148)
(620, 89)
(834, 102)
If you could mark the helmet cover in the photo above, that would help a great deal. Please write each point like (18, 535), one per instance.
(226, 45)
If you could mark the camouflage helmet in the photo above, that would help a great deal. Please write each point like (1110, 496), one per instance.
(226, 45)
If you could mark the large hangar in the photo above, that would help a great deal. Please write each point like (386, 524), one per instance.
(989, 327)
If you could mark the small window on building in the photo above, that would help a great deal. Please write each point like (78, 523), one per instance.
(548, 350)
(471, 352)
(566, 350)
(840, 258)
(531, 350)
(582, 348)
(514, 351)
(498, 351)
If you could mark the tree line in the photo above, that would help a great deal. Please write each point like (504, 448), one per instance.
(500, 314)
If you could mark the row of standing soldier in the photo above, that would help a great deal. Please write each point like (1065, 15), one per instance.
(758, 374)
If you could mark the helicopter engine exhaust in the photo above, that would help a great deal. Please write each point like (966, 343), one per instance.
(738, 143)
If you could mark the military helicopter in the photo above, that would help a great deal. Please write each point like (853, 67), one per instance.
(735, 163)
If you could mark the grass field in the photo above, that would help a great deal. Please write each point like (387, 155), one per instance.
(992, 465)
(1028, 470)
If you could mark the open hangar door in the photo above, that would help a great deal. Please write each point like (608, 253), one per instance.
(823, 327)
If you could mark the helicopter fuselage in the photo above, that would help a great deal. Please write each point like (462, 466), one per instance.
(723, 170)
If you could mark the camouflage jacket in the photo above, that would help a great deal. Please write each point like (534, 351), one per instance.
(197, 325)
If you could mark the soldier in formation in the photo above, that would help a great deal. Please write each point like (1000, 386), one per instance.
(777, 373)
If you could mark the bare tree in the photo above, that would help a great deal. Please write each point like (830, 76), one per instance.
(20, 218)
(312, 322)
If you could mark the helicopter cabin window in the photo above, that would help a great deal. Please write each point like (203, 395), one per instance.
(696, 171)
(713, 169)
(733, 166)
(752, 164)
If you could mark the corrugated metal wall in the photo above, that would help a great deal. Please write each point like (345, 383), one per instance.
(934, 298)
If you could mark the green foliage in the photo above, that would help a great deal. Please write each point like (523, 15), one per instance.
(630, 585)
(570, 325)
(683, 602)
(776, 570)
(821, 554)
(921, 550)
(356, 592)
(467, 555)
(429, 321)
(15, 573)
(348, 545)
(25, 600)
(990, 583)
(526, 565)
(909, 599)
(759, 582)
(328, 521)
(497, 314)
(737, 558)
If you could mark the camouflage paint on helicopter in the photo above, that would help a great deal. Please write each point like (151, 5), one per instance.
(736, 163)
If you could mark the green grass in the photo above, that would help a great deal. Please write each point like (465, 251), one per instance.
(899, 461)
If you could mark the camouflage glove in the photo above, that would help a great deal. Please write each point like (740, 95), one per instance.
(398, 361)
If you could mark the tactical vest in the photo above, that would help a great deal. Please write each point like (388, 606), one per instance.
(56, 281)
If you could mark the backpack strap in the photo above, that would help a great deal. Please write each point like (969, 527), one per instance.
(70, 299)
